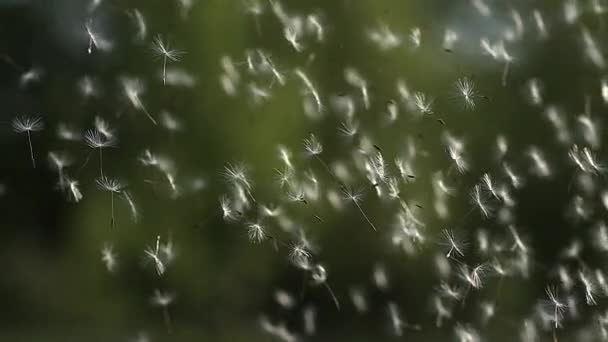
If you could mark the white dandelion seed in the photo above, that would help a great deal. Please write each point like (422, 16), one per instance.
(311, 89)
(474, 276)
(109, 257)
(415, 37)
(27, 125)
(140, 24)
(256, 232)
(162, 49)
(355, 197)
(237, 174)
(163, 300)
(456, 246)
(113, 186)
(465, 89)
(153, 255)
(96, 40)
(558, 306)
(95, 139)
(423, 104)
(74, 190)
(478, 200)
(312, 145)
(300, 256)
(59, 161)
(133, 89)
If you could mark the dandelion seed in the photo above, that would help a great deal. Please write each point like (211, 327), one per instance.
(455, 151)
(285, 176)
(589, 287)
(517, 241)
(558, 306)
(466, 333)
(226, 205)
(258, 93)
(255, 9)
(237, 174)
(109, 258)
(268, 64)
(456, 246)
(92, 39)
(519, 25)
(415, 36)
(396, 321)
(474, 277)
(140, 24)
(300, 256)
(311, 89)
(133, 88)
(30, 76)
(482, 7)
(478, 200)
(88, 87)
(164, 299)
(279, 330)
(285, 157)
(185, 7)
(541, 27)
(355, 197)
(592, 50)
(465, 89)
(256, 232)
(449, 40)
(450, 292)
(168, 251)
(345, 106)
(378, 168)
(571, 11)
(96, 40)
(489, 185)
(113, 186)
(95, 139)
(312, 145)
(515, 180)
(134, 212)
(292, 35)
(535, 88)
(384, 38)
(539, 164)
(152, 254)
(589, 131)
(319, 276)
(27, 125)
(68, 133)
(557, 118)
(442, 311)
(74, 190)
(170, 122)
(423, 104)
(94, 5)
(529, 332)
(162, 49)
(296, 194)
(355, 79)
(313, 23)
(104, 128)
(358, 299)
(60, 161)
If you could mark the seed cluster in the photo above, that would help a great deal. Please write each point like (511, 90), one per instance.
(406, 165)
